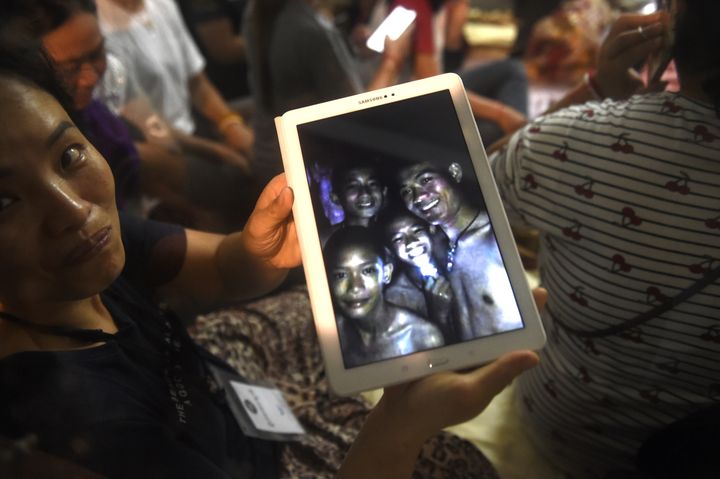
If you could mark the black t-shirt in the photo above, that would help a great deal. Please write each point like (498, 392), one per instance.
(139, 405)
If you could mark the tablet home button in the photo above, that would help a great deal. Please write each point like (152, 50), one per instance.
(432, 363)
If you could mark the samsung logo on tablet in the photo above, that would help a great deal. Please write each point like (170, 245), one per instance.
(368, 100)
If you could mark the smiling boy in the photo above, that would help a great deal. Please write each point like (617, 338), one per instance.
(370, 328)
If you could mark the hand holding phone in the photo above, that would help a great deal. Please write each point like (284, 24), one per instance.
(631, 40)
(658, 62)
(392, 27)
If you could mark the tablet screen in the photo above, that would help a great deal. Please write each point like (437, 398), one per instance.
(411, 258)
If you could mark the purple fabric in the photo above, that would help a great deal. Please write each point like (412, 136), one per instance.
(111, 137)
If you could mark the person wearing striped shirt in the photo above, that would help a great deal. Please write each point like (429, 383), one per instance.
(626, 194)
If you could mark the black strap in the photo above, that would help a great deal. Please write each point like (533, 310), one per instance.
(708, 278)
(85, 335)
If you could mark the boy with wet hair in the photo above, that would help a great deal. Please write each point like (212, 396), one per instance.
(370, 328)
(358, 188)
(420, 282)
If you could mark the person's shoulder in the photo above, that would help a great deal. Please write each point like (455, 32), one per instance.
(298, 16)
(404, 317)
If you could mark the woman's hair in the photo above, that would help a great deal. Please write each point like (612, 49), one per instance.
(264, 13)
(38, 17)
(696, 49)
(25, 59)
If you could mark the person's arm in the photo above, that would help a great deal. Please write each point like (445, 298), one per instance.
(394, 55)
(625, 46)
(425, 65)
(245, 264)
(210, 103)
(209, 149)
(507, 117)
(407, 415)
(220, 40)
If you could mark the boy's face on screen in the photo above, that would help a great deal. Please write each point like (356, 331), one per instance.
(357, 280)
(410, 240)
(428, 194)
(362, 194)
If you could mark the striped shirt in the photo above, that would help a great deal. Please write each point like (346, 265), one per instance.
(627, 197)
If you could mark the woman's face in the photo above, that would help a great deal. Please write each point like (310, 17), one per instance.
(78, 49)
(59, 227)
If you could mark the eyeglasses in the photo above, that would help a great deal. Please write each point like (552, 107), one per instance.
(71, 69)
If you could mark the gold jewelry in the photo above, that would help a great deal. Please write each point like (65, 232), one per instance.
(229, 120)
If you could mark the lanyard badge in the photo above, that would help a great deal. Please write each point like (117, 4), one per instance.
(260, 410)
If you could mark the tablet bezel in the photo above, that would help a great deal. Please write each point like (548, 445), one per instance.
(401, 369)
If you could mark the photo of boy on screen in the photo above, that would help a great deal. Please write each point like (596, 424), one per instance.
(358, 189)
(370, 328)
(420, 282)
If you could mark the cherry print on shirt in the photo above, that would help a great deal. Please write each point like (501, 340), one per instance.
(619, 264)
(629, 217)
(703, 267)
(529, 183)
(669, 106)
(622, 145)
(529, 403)
(561, 154)
(713, 223)
(587, 113)
(679, 184)
(712, 334)
(583, 375)
(585, 189)
(633, 334)
(703, 135)
(655, 296)
(651, 395)
(589, 347)
(573, 232)
(551, 388)
(578, 297)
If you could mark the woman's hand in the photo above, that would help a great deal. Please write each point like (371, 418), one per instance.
(408, 414)
(270, 231)
(632, 39)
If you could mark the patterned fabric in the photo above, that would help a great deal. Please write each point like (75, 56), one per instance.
(273, 339)
(627, 196)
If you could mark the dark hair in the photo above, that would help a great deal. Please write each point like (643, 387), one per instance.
(263, 15)
(393, 211)
(339, 172)
(352, 237)
(25, 60)
(696, 45)
(39, 17)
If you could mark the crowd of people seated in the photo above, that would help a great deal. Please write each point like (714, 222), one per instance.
(140, 172)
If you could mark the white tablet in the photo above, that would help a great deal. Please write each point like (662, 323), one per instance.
(410, 263)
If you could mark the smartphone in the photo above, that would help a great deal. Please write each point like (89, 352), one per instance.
(393, 26)
(658, 62)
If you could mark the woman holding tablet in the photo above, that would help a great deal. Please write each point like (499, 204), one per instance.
(98, 374)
